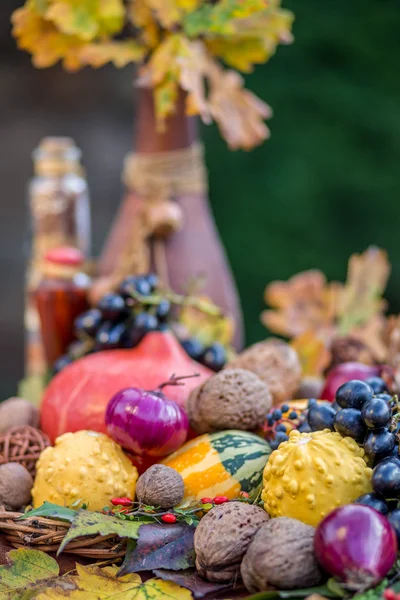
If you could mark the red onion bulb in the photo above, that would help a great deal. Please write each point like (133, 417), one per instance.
(346, 372)
(356, 544)
(146, 423)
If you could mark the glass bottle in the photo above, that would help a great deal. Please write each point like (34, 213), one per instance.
(61, 296)
(60, 216)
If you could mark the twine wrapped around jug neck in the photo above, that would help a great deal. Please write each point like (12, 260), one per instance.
(158, 178)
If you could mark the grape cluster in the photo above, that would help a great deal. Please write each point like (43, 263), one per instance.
(371, 416)
(123, 318)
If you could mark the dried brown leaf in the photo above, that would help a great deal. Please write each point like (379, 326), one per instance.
(361, 298)
(238, 113)
(304, 303)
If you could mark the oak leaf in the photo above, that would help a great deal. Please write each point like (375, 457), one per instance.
(167, 12)
(361, 298)
(87, 19)
(193, 69)
(141, 16)
(121, 53)
(306, 302)
(93, 583)
(241, 54)
(238, 113)
(219, 18)
(27, 571)
(44, 41)
(273, 25)
(170, 13)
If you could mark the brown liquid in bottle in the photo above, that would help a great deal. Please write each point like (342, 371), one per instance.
(60, 297)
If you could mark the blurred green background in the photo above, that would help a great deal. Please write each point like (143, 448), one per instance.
(326, 185)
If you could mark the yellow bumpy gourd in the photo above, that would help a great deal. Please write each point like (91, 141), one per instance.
(83, 467)
(313, 473)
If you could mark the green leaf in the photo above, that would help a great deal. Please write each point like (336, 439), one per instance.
(92, 523)
(52, 511)
(322, 590)
(26, 574)
(335, 587)
(198, 22)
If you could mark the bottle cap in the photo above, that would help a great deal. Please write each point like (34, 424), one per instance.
(64, 262)
(65, 255)
(56, 156)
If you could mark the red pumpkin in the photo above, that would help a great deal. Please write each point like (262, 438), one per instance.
(77, 397)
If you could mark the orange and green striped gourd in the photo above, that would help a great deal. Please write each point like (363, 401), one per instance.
(221, 464)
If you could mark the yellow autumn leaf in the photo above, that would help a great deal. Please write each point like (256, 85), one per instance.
(163, 72)
(273, 25)
(192, 71)
(85, 18)
(119, 53)
(26, 571)
(312, 352)
(167, 12)
(241, 54)
(43, 40)
(165, 95)
(206, 326)
(141, 16)
(93, 583)
(162, 63)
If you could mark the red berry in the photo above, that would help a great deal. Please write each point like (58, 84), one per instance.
(206, 500)
(220, 499)
(389, 594)
(169, 518)
(244, 494)
(121, 501)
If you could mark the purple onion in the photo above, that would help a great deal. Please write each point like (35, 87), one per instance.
(345, 372)
(146, 423)
(356, 544)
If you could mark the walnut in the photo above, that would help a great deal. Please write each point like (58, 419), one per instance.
(231, 399)
(160, 486)
(17, 412)
(222, 537)
(350, 349)
(310, 387)
(276, 363)
(281, 555)
(15, 485)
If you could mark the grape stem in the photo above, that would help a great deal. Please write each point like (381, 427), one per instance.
(174, 380)
(204, 306)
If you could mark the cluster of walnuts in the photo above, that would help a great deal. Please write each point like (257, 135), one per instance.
(240, 540)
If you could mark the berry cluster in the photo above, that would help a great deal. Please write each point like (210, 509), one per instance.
(123, 318)
(127, 509)
(281, 421)
(390, 594)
